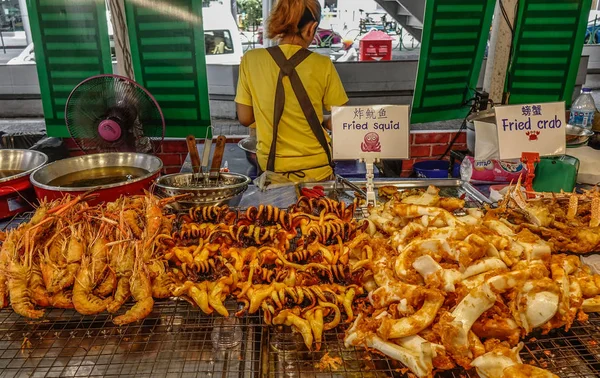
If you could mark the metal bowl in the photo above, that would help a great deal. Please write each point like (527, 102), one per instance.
(577, 136)
(25, 161)
(228, 190)
(248, 145)
(110, 192)
(16, 192)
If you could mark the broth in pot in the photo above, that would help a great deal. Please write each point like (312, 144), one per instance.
(98, 177)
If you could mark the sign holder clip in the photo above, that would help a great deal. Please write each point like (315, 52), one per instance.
(529, 159)
(370, 159)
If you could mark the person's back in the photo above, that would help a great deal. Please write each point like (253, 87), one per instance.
(296, 143)
(297, 147)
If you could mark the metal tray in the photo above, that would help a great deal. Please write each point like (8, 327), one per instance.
(573, 354)
(176, 340)
(448, 188)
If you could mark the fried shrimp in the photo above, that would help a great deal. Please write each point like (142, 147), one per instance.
(141, 290)
(84, 300)
(20, 294)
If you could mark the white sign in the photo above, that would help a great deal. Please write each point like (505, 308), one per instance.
(531, 128)
(381, 131)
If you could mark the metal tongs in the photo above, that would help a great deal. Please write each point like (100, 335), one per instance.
(345, 182)
(206, 154)
(200, 166)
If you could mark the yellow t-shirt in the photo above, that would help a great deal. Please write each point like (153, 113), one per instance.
(297, 146)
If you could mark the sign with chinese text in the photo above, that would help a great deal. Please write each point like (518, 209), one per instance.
(531, 128)
(380, 129)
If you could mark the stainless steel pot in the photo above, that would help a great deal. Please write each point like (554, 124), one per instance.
(577, 136)
(24, 161)
(248, 145)
(228, 190)
(16, 192)
(42, 177)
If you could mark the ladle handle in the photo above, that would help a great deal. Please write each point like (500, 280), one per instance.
(194, 155)
(215, 168)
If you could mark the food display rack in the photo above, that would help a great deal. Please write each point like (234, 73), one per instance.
(448, 188)
(178, 340)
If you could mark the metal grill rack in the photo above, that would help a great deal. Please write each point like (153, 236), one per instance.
(289, 358)
(573, 354)
(13, 222)
(176, 340)
(567, 354)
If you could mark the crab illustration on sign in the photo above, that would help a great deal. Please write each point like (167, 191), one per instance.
(533, 135)
(371, 143)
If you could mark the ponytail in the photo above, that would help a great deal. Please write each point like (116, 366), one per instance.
(288, 17)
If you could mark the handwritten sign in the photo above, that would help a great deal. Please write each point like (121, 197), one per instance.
(380, 130)
(531, 128)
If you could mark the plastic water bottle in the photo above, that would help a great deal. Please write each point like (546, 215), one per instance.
(583, 109)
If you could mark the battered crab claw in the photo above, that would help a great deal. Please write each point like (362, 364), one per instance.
(414, 352)
(506, 363)
(537, 214)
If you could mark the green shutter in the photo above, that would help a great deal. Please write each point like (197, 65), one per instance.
(547, 49)
(167, 48)
(455, 33)
(71, 44)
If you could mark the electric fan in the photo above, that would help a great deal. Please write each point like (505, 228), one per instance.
(111, 113)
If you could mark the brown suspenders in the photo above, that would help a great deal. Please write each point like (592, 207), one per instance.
(288, 68)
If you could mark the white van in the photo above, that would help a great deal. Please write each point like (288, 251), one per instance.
(221, 36)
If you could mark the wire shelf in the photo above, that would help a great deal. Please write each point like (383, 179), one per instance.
(573, 354)
(176, 340)
(288, 357)
(15, 221)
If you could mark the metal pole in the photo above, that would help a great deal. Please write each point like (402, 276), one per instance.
(500, 51)
(267, 6)
(25, 20)
(121, 38)
(2, 39)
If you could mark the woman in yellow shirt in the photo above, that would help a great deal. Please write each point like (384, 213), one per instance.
(287, 104)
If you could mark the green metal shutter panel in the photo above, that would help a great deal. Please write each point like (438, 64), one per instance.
(455, 34)
(168, 54)
(71, 44)
(547, 49)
